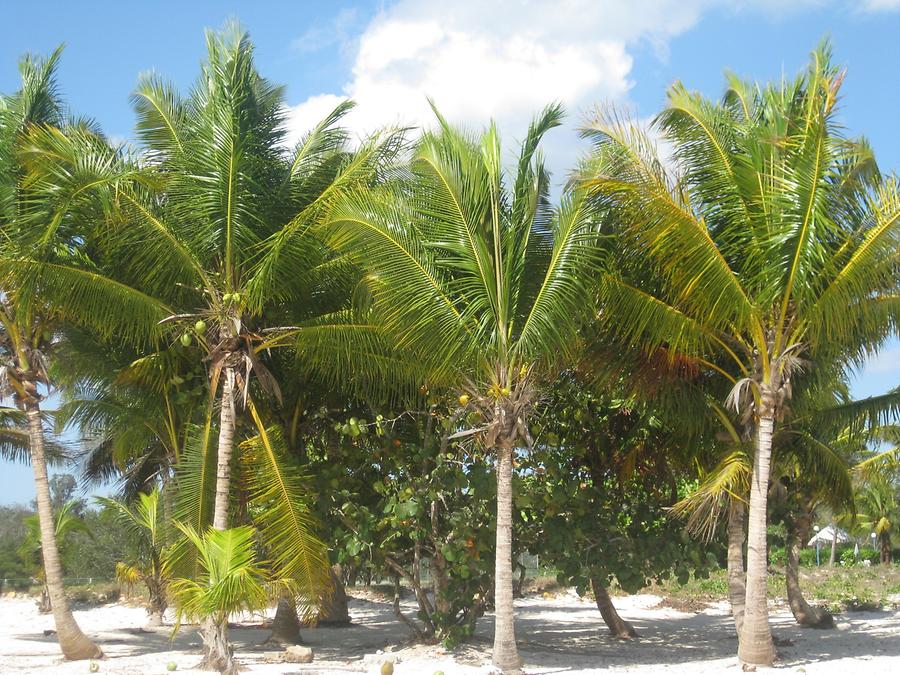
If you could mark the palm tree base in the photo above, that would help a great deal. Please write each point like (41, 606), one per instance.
(218, 654)
(507, 666)
(756, 652)
(286, 625)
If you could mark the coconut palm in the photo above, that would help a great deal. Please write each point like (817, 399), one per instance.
(45, 282)
(878, 512)
(66, 523)
(216, 184)
(231, 579)
(476, 279)
(145, 522)
(212, 188)
(773, 244)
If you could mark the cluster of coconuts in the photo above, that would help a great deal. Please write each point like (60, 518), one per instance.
(199, 328)
(496, 391)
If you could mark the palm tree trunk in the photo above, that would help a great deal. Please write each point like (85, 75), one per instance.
(286, 626)
(212, 632)
(156, 591)
(225, 447)
(505, 656)
(618, 626)
(74, 644)
(813, 617)
(886, 552)
(755, 645)
(737, 589)
(219, 654)
(833, 556)
(334, 610)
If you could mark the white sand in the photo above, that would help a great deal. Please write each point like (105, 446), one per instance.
(561, 635)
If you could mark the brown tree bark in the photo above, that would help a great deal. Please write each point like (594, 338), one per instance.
(74, 644)
(618, 626)
(505, 654)
(833, 556)
(755, 646)
(286, 625)
(813, 617)
(219, 655)
(737, 588)
(334, 610)
(224, 451)
(886, 549)
(213, 633)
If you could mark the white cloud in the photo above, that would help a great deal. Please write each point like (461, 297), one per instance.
(880, 5)
(505, 59)
(304, 116)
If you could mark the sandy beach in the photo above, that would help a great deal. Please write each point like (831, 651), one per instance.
(557, 635)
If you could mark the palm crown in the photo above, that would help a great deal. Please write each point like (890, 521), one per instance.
(769, 247)
(478, 278)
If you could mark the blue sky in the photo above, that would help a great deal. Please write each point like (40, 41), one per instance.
(477, 59)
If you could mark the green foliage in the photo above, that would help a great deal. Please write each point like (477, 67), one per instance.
(278, 504)
(596, 490)
(95, 556)
(398, 495)
(146, 524)
(67, 524)
(231, 577)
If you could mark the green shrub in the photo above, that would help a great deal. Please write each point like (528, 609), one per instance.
(777, 556)
(808, 556)
(848, 559)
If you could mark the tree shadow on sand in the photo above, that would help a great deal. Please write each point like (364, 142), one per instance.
(554, 637)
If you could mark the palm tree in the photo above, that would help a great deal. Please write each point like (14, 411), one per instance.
(146, 523)
(773, 247)
(473, 277)
(44, 283)
(231, 579)
(877, 511)
(66, 523)
(186, 224)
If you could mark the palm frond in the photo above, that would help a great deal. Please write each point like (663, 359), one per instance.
(279, 497)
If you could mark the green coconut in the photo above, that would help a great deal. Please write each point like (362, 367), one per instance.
(200, 326)
(186, 339)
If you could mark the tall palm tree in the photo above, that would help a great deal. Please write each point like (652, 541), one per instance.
(773, 247)
(45, 282)
(212, 189)
(473, 277)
